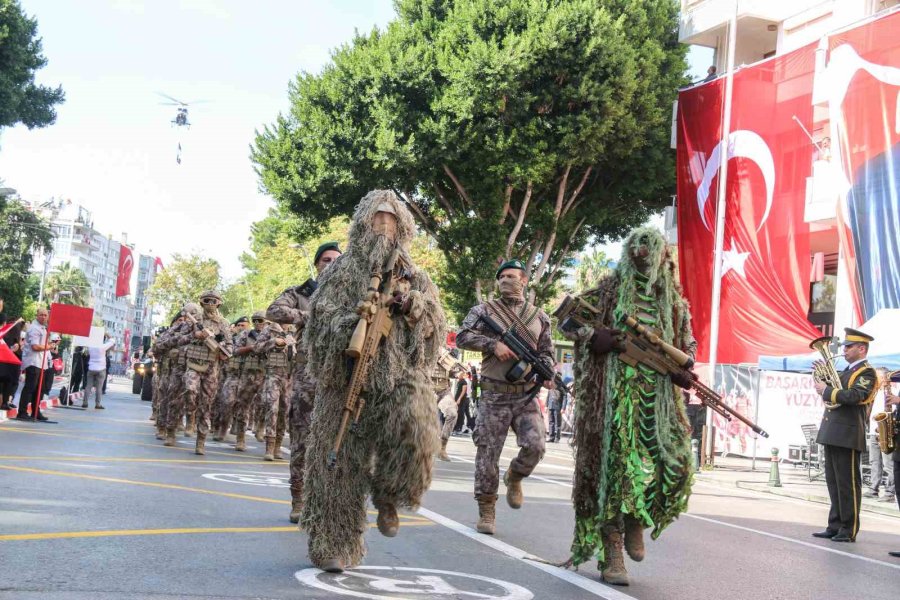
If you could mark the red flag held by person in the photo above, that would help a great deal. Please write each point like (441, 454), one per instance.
(765, 259)
(126, 264)
(71, 320)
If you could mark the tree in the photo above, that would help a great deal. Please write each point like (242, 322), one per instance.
(593, 266)
(514, 128)
(68, 277)
(21, 54)
(22, 234)
(182, 281)
(276, 261)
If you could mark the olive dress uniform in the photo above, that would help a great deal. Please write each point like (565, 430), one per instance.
(843, 435)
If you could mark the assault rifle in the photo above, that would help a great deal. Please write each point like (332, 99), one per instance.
(375, 323)
(530, 365)
(210, 340)
(642, 345)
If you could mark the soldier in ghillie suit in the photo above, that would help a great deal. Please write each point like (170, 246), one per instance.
(507, 400)
(390, 455)
(632, 441)
(292, 308)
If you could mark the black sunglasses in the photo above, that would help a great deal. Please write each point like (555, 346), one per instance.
(259, 320)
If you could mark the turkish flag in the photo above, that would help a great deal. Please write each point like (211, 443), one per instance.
(71, 320)
(7, 356)
(766, 260)
(126, 264)
(861, 81)
(158, 264)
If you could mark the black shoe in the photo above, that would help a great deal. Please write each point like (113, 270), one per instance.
(843, 537)
(827, 534)
(99, 407)
(5, 407)
(894, 554)
(11, 405)
(42, 418)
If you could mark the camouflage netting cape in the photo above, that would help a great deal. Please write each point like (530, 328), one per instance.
(631, 434)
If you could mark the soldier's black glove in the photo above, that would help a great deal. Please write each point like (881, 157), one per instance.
(682, 379)
(220, 338)
(604, 340)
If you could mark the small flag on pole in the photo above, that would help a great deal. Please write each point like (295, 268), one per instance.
(71, 320)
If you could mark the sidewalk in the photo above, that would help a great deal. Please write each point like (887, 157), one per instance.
(737, 472)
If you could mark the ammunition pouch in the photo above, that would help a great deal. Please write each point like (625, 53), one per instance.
(277, 359)
(252, 362)
(490, 385)
(197, 357)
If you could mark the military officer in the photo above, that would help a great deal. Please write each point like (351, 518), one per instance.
(506, 403)
(843, 434)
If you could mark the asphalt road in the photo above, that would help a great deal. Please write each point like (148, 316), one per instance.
(93, 507)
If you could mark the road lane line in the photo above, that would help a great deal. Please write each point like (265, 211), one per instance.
(588, 585)
(15, 537)
(793, 541)
(88, 458)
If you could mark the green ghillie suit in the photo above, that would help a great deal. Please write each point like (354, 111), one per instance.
(390, 455)
(631, 434)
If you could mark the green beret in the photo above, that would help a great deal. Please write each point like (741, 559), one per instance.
(510, 264)
(325, 248)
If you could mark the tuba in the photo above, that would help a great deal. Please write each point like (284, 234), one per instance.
(824, 371)
(885, 424)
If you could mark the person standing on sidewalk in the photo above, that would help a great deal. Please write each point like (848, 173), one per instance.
(35, 357)
(892, 403)
(843, 433)
(97, 372)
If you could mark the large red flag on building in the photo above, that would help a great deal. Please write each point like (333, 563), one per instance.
(126, 265)
(765, 262)
(71, 320)
(861, 82)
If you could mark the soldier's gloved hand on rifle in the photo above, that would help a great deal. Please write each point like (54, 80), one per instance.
(682, 379)
(400, 303)
(605, 340)
(201, 334)
(220, 337)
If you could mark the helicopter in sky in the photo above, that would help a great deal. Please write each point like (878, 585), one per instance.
(181, 116)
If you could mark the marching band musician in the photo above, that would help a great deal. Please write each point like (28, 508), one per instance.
(843, 434)
(892, 403)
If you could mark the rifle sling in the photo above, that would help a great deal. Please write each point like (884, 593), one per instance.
(508, 318)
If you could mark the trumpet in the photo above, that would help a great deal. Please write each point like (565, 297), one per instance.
(824, 371)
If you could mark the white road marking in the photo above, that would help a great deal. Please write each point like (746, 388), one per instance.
(793, 541)
(532, 476)
(571, 577)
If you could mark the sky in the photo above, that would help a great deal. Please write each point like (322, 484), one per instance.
(113, 148)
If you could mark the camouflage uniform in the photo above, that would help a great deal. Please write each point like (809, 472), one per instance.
(201, 375)
(276, 386)
(292, 307)
(504, 404)
(249, 386)
(170, 373)
(225, 400)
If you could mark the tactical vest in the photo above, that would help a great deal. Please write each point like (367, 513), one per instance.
(528, 317)
(233, 365)
(253, 362)
(277, 358)
(197, 352)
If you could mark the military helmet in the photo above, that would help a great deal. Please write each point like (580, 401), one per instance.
(211, 294)
(192, 308)
(258, 315)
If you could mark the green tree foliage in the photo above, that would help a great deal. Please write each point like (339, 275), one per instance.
(182, 281)
(515, 128)
(21, 54)
(592, 267)
(22, 234)
(68, 277)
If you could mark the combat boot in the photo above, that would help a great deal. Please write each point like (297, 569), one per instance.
(222, 433)
(513, 483)
(332, 565)
(442, 455)
(160, 433)
(190, 428)
(153, 415)
(296, 502)
(260, 428)
(487, 512)
(613, 567)
(388, 521)
(634, 539)
(270, 448)
(200, 448)
(278, 440)
(170, 437)
(240, 445)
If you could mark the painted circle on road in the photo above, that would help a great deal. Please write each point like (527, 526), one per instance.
(390, 583)
(263, 479)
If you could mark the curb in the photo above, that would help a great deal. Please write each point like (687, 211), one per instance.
(886, 511)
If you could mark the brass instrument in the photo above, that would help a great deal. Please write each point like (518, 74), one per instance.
(885, 424)
(824, 371)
